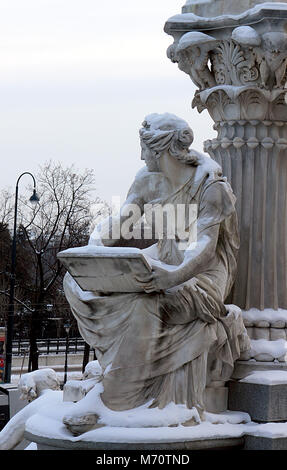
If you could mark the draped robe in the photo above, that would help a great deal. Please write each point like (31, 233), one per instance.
(166, 347)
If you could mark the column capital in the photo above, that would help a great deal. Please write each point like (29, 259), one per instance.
(234, 54)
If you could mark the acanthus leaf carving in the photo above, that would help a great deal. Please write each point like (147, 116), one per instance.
(245, 58)
(229, 58)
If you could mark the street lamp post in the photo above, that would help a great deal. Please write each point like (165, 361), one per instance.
(10, 323)
(67, 327)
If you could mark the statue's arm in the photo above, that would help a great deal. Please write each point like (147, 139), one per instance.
(109, 231)
(216, 205)
(196, 260)
(198, 256)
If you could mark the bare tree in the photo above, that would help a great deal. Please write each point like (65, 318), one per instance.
(6, 215)
(61, 220)
(6, 208)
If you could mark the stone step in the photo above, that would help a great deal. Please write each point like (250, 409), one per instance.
(265, 443)
(263, 395)
(245, 368)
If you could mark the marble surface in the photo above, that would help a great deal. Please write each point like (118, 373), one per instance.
(210, 8)
(159, 343)
(241, 60)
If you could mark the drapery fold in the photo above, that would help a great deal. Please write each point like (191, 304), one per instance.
(156, 347)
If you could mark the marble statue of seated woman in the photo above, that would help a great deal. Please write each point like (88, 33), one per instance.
(168, 342)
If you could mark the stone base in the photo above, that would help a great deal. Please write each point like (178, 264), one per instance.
(10, 402)
(216, 399)
(265, 443)
(244, 368)
(44, 443)
(264, 403)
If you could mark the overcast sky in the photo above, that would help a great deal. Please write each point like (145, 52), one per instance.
(77, 78)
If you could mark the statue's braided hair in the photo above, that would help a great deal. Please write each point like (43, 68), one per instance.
(162, 132)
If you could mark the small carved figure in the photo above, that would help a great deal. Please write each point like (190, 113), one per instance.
(264, 69)
(280, 74)
(36, 387)
(192, 55)
(273, 65)
(31, 385)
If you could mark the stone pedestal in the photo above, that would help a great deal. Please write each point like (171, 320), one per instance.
(244, 368)
(264, 397)
(219, 443)
(265, 443)
(216, 399)
(264, 403)
(12, 394)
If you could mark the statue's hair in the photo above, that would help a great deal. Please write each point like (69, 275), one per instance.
(161, 132)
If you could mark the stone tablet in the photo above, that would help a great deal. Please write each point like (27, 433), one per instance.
(105, 269)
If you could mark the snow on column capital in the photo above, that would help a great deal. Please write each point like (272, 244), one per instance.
(212, 8)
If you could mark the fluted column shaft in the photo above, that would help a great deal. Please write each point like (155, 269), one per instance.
(253, 155)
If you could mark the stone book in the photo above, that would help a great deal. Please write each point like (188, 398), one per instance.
(105, 269)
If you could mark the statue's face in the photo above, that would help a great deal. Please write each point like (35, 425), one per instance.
(148, 157)
(144, 151)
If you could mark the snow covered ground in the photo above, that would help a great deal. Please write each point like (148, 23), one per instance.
(143, 425)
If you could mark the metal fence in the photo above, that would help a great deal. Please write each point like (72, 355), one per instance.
(49, 346)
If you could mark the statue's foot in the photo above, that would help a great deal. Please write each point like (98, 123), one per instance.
(190, 422)
(83, 423)
(201, 412)
(195, 420)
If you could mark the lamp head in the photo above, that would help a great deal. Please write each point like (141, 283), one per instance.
(34, 199)
(67, 327)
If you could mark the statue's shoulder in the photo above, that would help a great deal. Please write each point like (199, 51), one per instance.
(206, 171)
(148, 185)
(216, 193)
(206, 166)
(144, 174)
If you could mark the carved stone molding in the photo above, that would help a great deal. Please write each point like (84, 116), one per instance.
(244, 59)
(214, 8)
(239, 66)
(230, 50)
(229, 103)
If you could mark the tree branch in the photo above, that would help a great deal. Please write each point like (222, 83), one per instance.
(6, 293)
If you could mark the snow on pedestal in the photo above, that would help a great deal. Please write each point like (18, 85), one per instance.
(136, 427)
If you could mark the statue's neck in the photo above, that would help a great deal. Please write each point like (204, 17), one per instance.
(175, 171)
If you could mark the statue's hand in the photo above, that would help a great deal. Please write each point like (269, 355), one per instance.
(158, 280)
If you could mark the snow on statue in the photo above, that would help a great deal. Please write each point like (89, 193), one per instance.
(38, 388)
(160, 345)
(170, 341)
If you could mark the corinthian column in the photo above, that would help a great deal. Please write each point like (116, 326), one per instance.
(239, 64)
